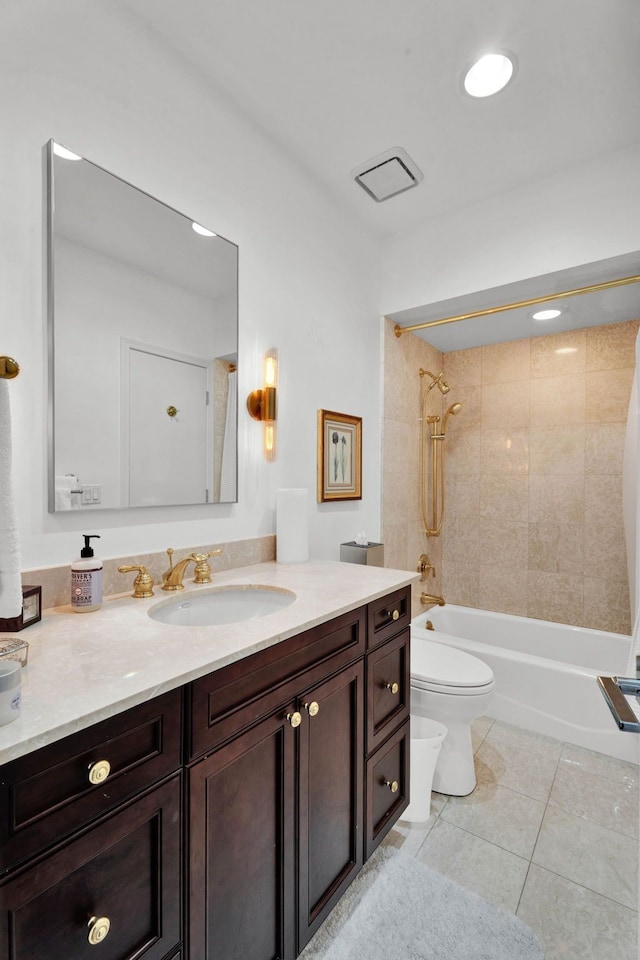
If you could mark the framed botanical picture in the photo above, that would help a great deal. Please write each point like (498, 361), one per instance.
(339, 456)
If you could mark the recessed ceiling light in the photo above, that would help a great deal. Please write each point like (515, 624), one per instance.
(562, 350)
(61, 151)
(546, 314)
(489, 74)
(202, 230)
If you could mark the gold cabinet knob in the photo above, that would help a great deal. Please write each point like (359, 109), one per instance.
(392, 784)
(98, 930)
(392, 687)
(313, 708)
(295, 718)
(99, 771)
(394, 614)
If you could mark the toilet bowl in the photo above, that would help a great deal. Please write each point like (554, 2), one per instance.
(454, 688)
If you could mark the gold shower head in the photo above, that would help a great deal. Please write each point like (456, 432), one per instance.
(436, 381)
(451, 412)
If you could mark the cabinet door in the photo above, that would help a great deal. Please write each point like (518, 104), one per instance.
(241, 830)
(330, 795)
(114, 891)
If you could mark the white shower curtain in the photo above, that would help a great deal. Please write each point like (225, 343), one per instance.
(228, 475)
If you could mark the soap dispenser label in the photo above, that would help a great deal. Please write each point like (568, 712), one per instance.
(86, 587)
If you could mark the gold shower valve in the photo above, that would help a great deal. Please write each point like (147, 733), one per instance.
(424, 566)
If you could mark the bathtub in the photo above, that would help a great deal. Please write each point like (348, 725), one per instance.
(545, 673)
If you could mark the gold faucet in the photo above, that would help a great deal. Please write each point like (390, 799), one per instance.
(428, 598)
(173, 577)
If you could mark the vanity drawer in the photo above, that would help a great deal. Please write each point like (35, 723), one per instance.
(49, 793)
(387, 616)
(388, 767)
(388, 688)
(227, 701)
(124, 874)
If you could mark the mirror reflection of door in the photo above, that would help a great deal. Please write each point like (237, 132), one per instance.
(166, 452)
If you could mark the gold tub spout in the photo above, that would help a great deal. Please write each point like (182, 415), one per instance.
(428, 598)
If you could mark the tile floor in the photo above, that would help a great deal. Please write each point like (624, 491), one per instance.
(550, 833)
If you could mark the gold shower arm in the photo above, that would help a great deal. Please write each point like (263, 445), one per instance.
(533, 301)
(9, 368)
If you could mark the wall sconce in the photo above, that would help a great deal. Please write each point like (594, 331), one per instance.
(262, 404)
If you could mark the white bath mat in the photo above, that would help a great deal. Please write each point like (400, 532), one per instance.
(399, 909)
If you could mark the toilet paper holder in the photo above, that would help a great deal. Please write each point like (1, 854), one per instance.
(616, 691)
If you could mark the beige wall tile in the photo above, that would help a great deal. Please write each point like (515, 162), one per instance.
(503, 362)
(463, 453)
(503, 589)
(504, 451)
(532, 472)
(606, 605)
(555, 596)
(559, 355)
(608, 395)
(557, 401)
(461, 540)
(557, 450)
(505, 406)
(611, 346)
(463, 496)
(557, 548)
(604, 448)
(504, 543)
(505, 498)
(556, 499)
(463, 367)
(460, 581)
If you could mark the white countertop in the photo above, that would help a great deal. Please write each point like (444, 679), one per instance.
(84, 668)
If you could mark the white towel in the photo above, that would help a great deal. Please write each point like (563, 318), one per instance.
(10, 580)
(228, 486)
(67, 492)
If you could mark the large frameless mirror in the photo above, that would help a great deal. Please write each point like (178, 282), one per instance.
(143, 341)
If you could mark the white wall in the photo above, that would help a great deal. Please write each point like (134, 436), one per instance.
(587, 213)
(84, 75)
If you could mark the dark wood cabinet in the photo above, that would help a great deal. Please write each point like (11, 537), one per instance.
(116, 886)
(275, 820)
(235, 811)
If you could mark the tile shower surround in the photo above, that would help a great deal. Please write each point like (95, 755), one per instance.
(550, 833)
(55, 581)
(533, 522)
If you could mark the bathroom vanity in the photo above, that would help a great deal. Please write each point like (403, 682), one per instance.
(225, 817)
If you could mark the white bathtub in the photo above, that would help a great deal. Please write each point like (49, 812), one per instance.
(545, 673)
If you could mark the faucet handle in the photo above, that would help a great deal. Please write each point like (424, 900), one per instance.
(143, 583)
(203, 569)
(424, 566)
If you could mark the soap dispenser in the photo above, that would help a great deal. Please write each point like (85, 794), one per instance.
(86, 579)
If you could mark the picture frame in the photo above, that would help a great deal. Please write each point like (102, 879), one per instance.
(339, 456)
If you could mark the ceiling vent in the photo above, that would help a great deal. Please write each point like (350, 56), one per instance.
(388, 174)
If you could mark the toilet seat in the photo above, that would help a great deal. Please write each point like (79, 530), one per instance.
(443, 669)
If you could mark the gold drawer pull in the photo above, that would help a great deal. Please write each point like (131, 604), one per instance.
(313, 708)
(98, 930)
(99, 771)
(394, 614)
(392, 784)
(392, 687)
(295, 718)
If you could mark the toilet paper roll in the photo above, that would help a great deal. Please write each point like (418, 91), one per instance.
(292, 526)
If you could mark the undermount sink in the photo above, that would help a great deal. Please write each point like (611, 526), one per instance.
(222, 605)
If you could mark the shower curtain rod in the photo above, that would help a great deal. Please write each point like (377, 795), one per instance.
(592, 288)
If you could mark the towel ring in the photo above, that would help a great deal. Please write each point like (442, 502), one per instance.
(9, 368)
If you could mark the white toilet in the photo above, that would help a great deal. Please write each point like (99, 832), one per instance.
(454, 688)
